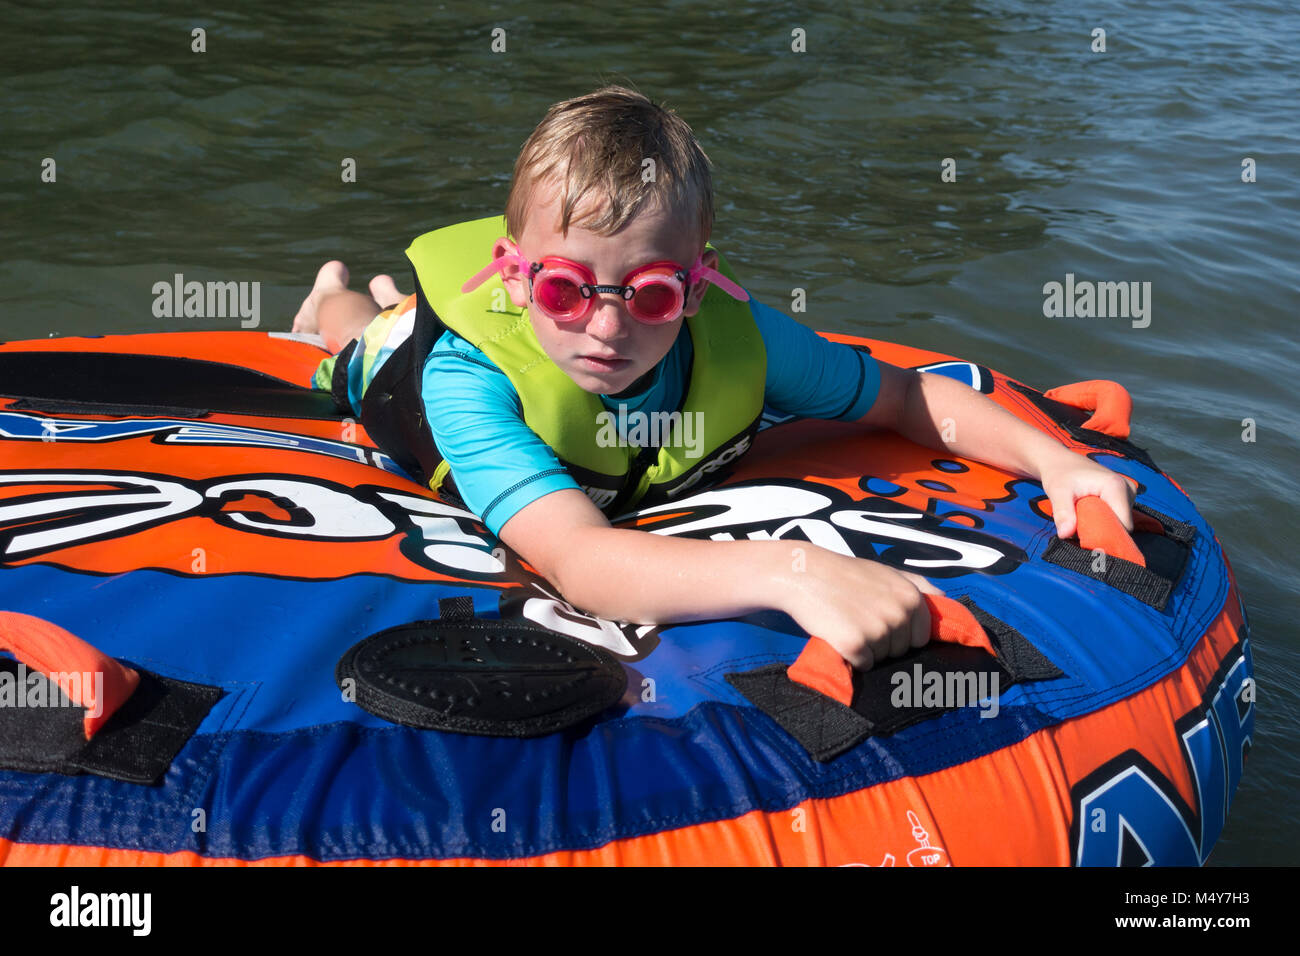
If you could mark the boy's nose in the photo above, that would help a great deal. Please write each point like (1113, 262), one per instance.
(609, 319)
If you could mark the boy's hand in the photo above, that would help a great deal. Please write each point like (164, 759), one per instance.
(1070, 476)
(865, 610)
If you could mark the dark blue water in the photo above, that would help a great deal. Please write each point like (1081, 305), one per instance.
(1117, 166)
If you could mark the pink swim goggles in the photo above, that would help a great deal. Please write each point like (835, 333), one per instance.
(565, 291)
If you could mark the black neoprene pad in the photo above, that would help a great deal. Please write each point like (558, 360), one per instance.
(471, 676)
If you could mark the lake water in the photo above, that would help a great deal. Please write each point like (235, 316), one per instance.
(1122, 166)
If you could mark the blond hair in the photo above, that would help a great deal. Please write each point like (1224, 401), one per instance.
(594, 149)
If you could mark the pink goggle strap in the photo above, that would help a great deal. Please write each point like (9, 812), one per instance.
(702, 271)
(496, 265)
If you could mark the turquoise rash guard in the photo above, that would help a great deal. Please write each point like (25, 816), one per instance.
(500, 465)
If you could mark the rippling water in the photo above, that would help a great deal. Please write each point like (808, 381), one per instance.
(1116, 166)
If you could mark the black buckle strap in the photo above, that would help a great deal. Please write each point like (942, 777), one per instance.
(339, 380)
(392, 408)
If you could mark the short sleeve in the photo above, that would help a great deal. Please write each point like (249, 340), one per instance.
(810, 376)
(499, 463)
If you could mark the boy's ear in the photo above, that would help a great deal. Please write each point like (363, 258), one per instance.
(512, 275)
(701, 286)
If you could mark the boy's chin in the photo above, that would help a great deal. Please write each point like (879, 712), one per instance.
(604, 383)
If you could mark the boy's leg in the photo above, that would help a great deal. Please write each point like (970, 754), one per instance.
(337, 313)
(343, 316)
(384, 289)
(331, 310)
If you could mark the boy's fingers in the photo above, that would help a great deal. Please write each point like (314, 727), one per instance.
(916, 633)
(920, 632)
(1063, 514)
(922, 584)
(900, 639)
(1120, 504)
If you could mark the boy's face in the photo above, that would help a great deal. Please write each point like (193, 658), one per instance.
(607, 350)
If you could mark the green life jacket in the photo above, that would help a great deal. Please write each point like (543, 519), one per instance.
(723, 393)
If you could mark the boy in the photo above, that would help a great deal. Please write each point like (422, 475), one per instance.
(610, 270)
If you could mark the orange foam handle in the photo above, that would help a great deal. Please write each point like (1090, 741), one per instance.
(1110, 403)
(821, 668)
(952, 622)
(71, 663)
(1099, 527)
(1144, 522)
(1141, 520)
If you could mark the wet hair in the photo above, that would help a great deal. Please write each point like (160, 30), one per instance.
(594, 148)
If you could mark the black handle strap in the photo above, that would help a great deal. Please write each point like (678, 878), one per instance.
(1165, 555)
(825, 728)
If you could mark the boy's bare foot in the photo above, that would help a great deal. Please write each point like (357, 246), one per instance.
(384, 291)
(332, 277)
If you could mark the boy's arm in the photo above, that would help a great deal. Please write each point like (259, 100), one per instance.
(514, 482)
(942, 413)
(866, 610)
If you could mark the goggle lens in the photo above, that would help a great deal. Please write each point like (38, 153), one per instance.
(560, 296)
(656, 301)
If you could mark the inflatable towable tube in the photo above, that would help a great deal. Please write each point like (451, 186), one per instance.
(235, 633)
